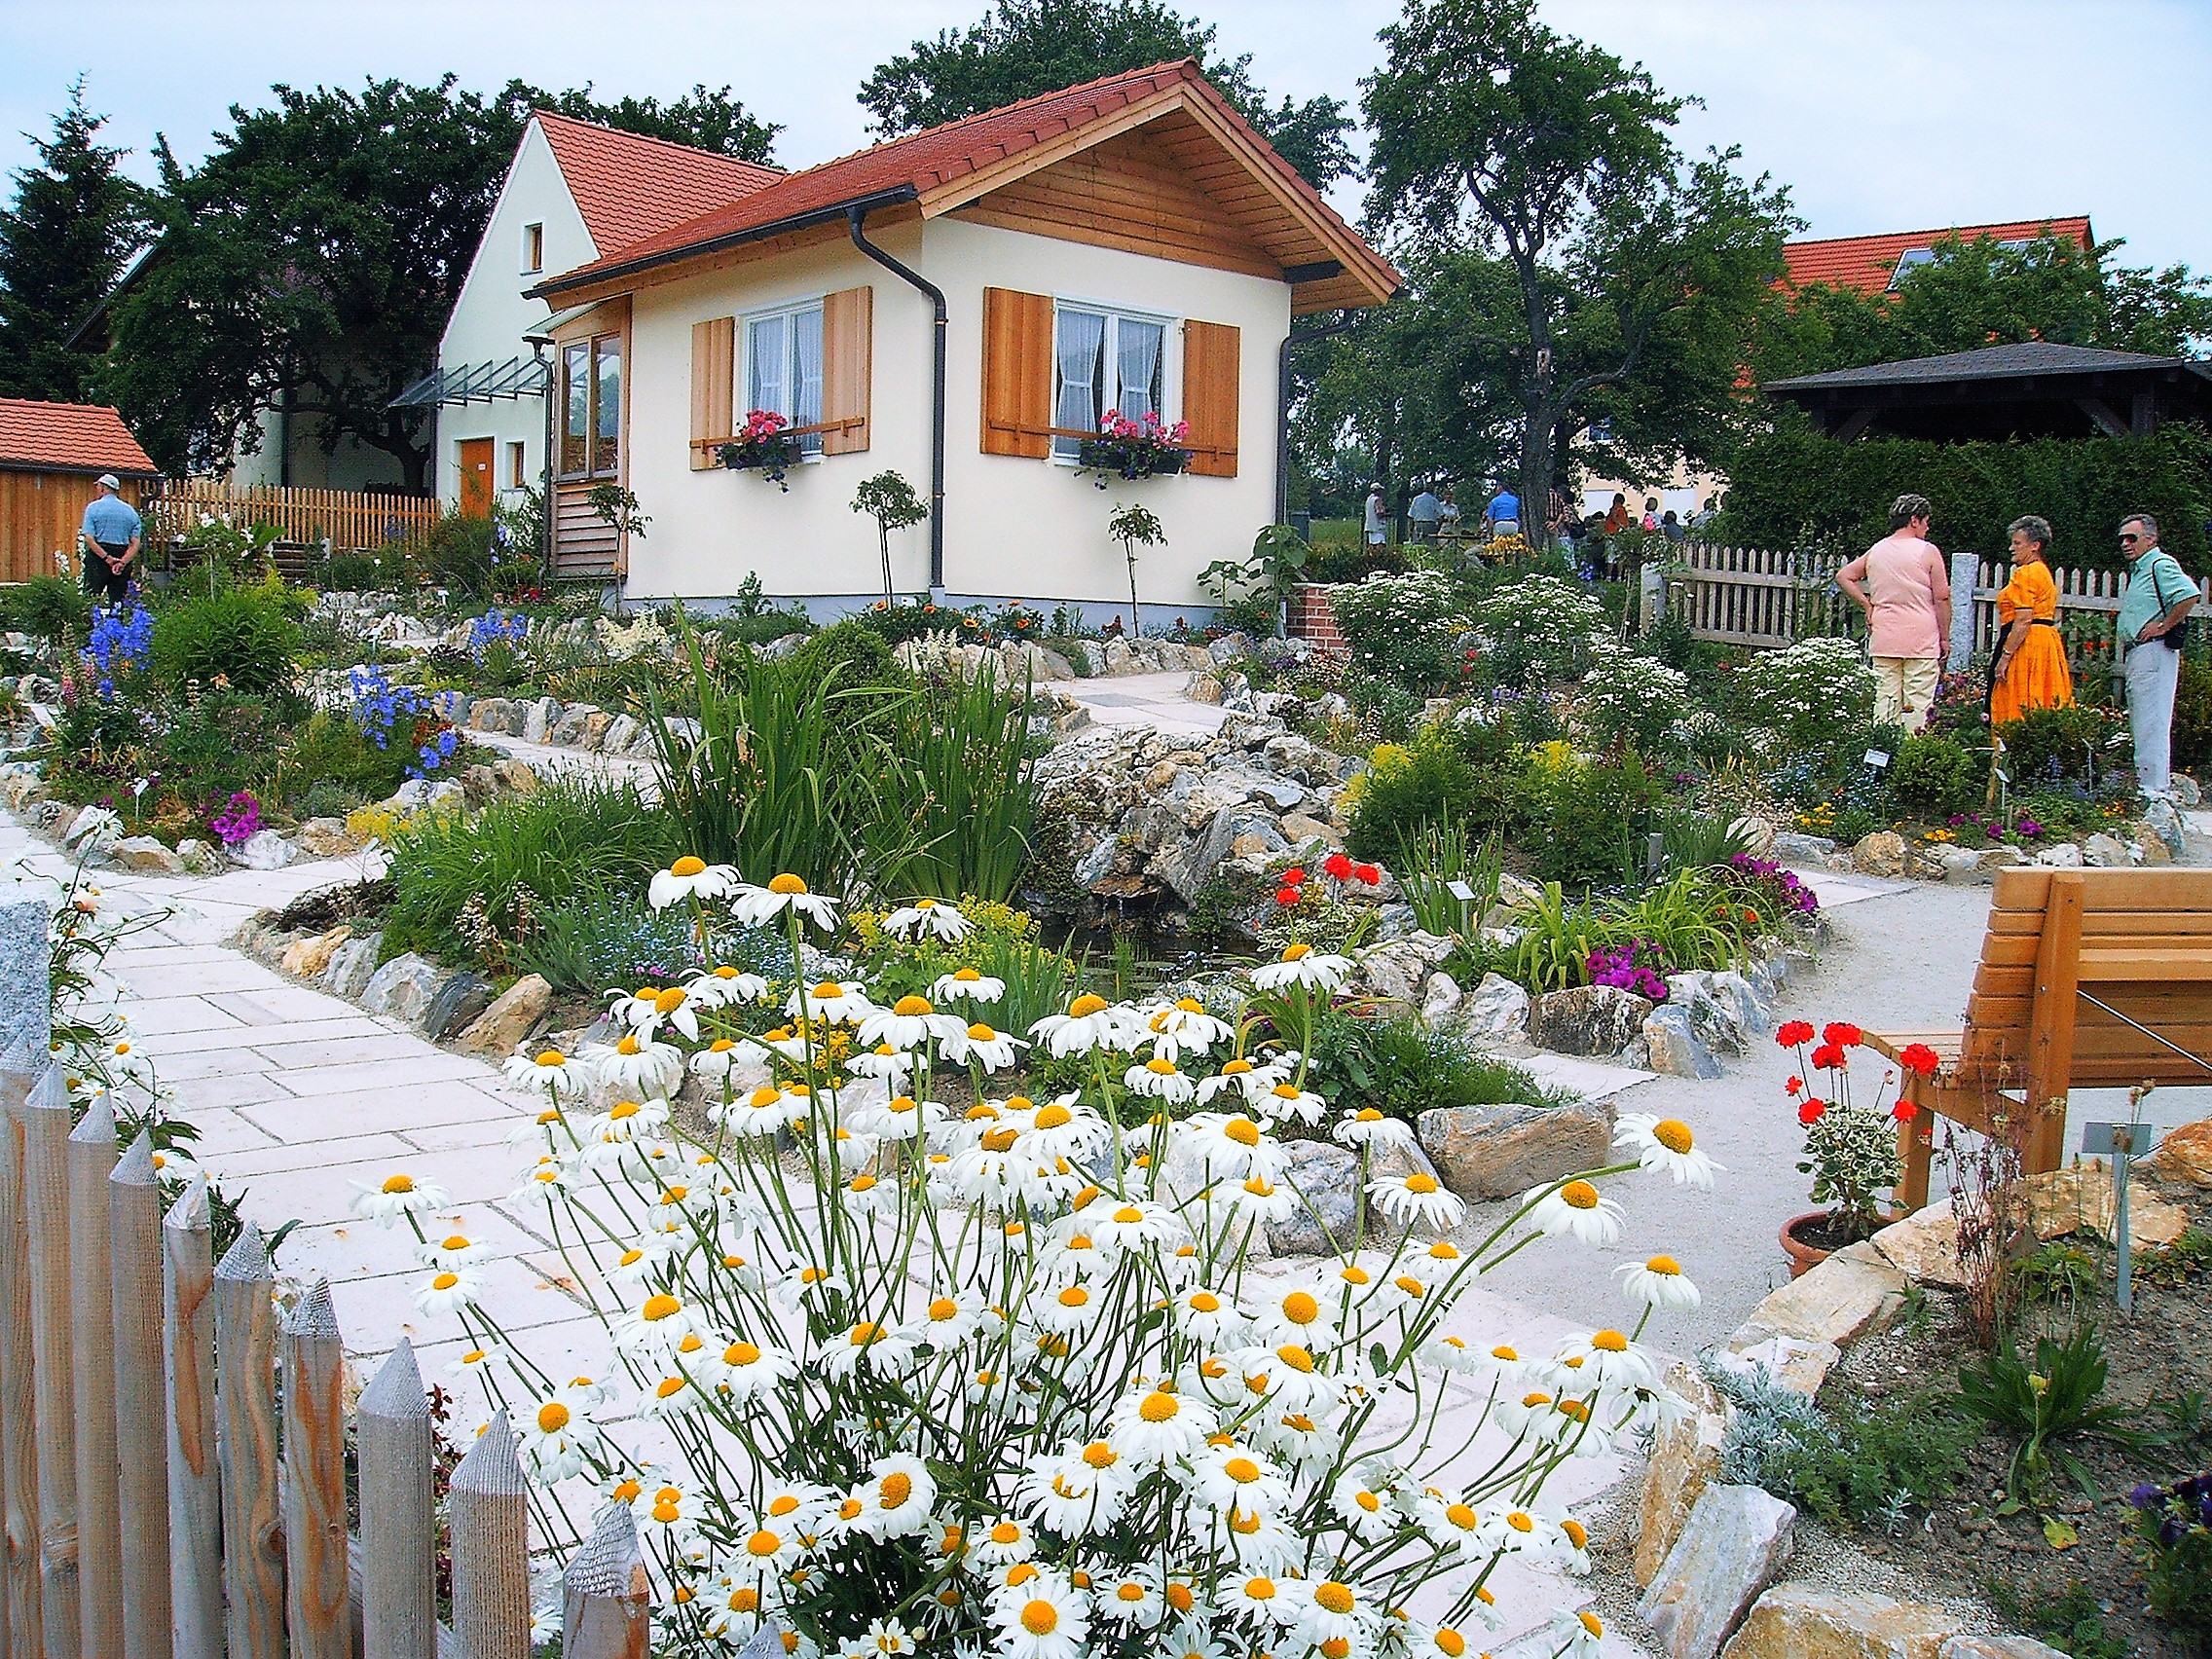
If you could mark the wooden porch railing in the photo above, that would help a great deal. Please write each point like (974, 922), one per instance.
(351, 520)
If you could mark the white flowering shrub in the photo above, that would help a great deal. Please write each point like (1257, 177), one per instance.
(1633, 699)
(1540, 629)
(1806, 691)
(1007, 1378)
(1403, 629)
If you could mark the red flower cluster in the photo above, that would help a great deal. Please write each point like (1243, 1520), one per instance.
(1810, 1112)
(1919, 1060)
(1794, 1033)
(1336, 867)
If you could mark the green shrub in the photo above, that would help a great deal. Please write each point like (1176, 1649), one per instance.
(1539, 629)
(1586, 819)
(52, 608)
(2193, 715)
(330, 753)
(1410, 790)
(1631, 700)
(599, 939)
(848, 655)
(1353, 561)
(1402, 1068)
(2056, 746)
(1933, 778)
(458, 557)
(246, 636)
(1808, 692)
(954, 792)
(522, 856)
(1404, 629)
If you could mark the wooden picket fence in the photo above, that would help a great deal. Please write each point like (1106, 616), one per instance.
(355, 521)
(161, 1504)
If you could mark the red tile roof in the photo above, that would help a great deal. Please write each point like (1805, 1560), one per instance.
(69, 437)
(627, 186)
(1865, 263)
(922, 162)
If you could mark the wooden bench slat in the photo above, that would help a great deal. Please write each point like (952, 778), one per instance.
(2154, 967)
(2023, 889)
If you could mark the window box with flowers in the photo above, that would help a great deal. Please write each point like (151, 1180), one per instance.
(1143, 447)
(764, 444)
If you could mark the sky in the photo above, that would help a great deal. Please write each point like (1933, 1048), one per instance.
(1880, 115)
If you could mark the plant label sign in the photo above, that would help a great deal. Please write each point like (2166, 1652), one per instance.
(1877, 758)
(1461, 891)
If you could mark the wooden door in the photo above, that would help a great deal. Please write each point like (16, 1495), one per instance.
(476, 478)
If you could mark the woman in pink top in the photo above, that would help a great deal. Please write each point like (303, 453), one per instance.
(1901, 585)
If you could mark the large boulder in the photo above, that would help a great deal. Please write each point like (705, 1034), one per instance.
(1853, 1291)
(2185, 1155)
(1589, 1020)
(145, 855)
(2079, 1198)
(327, 838)
(499, 1030)
(1925, 1246)
(403, 988)
(1395, 971)
(1685, 1459)
(1738, 1540)
(1326, 1178)
(454, 1003)
(1494, 1152)
(1882, 853)
(1496, 1010)
(1800, 1621)
(309, 958)
(2104, 852)
(264, 849)
(1672, 1048)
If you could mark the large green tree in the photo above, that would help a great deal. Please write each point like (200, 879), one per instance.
(74, 220)
(1021, 49)
(1624, 282)
(310, 261)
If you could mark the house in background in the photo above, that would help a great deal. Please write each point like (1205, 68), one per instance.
(573, 193)
(52, 456)
(965, 305)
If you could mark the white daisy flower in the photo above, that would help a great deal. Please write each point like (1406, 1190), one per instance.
(759, 905)
(1603, 1359)
(1251, 1083)
(399, 1195)
(453, 1251)
(1301, 965)
(1129, 1598)
(636, 1066)
(1154, 1426)
(1665, 1143)
(725, 987)
(1235, 1477)
(1285, 1100)
(829, 1001)
(1090, 1023)
(1259, 1599)
(555, 1436)
(449, 1291)
(1418, 1199)
(1368, 1514)
(1658, 1283)
(931, 918)
(1193, 1639)
(690, 878)
(884, 1348)
(746, 1371)
(1160, 1079)
(908, 1023)
(1374, 1129)
(1577, 1207)
(987, 1048)
(1184, 1026)
(1230, 1144)
(889, 1066)
(1070, 1494)
(1579, 1636)
(1045, 1618)
(968, 985)
(548, 1069)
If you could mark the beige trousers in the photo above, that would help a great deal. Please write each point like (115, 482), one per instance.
(1903, 690)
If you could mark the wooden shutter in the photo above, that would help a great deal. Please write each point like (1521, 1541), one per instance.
(1210, 386)
(848, 342)
(1017, 373)
(714, 372)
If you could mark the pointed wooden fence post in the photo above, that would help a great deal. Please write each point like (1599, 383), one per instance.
(246, 1404)
(195, 1530)
(91, 1160)
(46, 1186)
(607, 1597)
(487, 1503)
(141, 1406)
(312, 1361)
(19, 1420)
(398, 1536)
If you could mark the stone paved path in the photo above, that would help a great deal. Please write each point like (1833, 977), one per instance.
(1146, 699)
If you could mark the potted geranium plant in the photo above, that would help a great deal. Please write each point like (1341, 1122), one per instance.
(1851, 1150)
(764, 445)
(1134, 449)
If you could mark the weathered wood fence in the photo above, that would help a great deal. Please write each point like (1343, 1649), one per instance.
(172, 1445)
(350, 519)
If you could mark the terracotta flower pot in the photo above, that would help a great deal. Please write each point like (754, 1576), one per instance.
(1803, 1258)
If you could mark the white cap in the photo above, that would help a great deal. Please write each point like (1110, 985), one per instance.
(109, 481)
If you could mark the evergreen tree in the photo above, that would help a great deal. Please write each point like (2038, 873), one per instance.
(63, 241)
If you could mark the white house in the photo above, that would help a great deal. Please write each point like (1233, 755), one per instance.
(574, 193)
(964, 306)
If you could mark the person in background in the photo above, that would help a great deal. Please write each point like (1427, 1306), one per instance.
(1422, 513)
(2154, 618)
(1906, 596)
(2029, 671)
(1651, 513)
(1448, 514)
(1377, 520)
(1671, 528)
(110, 533)
(1504, 512)
(1616, 517)
(1704, 515)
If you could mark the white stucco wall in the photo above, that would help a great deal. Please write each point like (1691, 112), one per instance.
(1014, 528)
(491, 317)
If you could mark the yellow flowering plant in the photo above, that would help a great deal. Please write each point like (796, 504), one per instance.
(1019, 1377)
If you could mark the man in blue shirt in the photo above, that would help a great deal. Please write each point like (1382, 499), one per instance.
(111, 534)
(1505, 511)
(2153, 621)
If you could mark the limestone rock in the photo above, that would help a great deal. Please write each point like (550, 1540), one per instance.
(1301, 827)
(1440, 1001)
(1925, 1246)
(517, 777)
(1739, 1537)
(144, 854)
(2065, 856)
(2151, 847)
(1881, 853)
(454, 1003)
(309, 958)
(499, 1030)
(1792, 848)
(1589, 1020)
(1494, 1151)
(1672, 1048)
(1326, 1177)
(200, 858)
(1961, 866)
(2079, 1199)
(2104, 852)
(2185, 1155)
(1797, 1621)
(1756, 834)
(1786, 1362)
(403, 988)
(1996, 1647)
(1852, 1291)
(264, 849)
(2187, 795)
(1496, 1010)
(2162, 821)
(619, 734)
(326, 838)
(1395, 970)
(1685, 1457)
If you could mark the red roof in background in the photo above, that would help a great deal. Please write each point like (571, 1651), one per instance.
(627, 186)
(924, 161)
(69, 437)
(1865, 263)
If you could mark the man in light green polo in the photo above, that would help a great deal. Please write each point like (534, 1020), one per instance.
(2153, 612)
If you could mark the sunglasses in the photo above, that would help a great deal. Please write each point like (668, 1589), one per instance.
(2125, 536)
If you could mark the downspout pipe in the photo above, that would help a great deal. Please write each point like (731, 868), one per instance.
(856, 218)
(1296, 337)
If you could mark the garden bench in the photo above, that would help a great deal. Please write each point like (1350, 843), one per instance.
(2087, 978)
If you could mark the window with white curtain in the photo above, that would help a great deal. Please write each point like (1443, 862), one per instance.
(782, 368)
(1105, 360)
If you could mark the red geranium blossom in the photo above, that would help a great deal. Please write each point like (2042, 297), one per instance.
(1295, 874)
(1810, 1112)
(1828, 1057)
(1286, 896)
(1904, 1111)
(1920, 1059)
(1796, 1086)
(1793, 1032)
(1843, 1036)
(1372, 874)
(1338, 866)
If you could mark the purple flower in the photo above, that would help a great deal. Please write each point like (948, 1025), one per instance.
(241, 822)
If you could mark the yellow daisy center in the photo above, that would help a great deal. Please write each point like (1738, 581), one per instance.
(911, 1007)
(552, 1417)
(789, 886)
(1664, 1264)
(688, 865)
(1055, 1116)
(741, 1353)
(1297, 952)
(1242, 1130)
(1337, 1598)
(1579, 1195)
(1609, 1341)
(1158, 1407)
(1420, 1181)
(1300, 1308)
(399, 1184)
(1085, 1006)
(550, 1057)
(659, 1306)
(1671, 1133)
(1040, 1617)
(1242, 1470)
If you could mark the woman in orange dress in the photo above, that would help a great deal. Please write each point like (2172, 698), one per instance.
(2030, 671)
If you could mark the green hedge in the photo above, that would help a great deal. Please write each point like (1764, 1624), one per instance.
(1793, 488)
